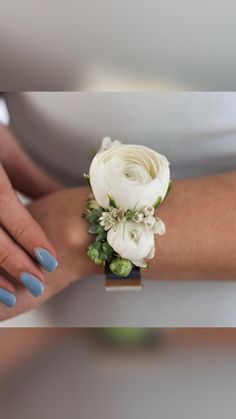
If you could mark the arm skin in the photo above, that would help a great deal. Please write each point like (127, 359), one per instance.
(199, 243)
(200, 239)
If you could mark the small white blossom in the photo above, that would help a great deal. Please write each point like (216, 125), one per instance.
(148, 211)
(107, 220)
(138, 217)
(118, 214)
(149, 221)
(159, 227)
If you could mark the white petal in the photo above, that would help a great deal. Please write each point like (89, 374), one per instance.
(135, 176)
(119, 239)
(151, 253)
(141, 263)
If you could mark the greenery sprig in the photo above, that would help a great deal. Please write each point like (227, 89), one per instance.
(100, 251)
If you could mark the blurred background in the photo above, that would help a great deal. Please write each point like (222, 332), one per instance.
(115, 45)
(118, 373)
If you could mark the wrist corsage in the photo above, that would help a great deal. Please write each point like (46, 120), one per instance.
(128, 183)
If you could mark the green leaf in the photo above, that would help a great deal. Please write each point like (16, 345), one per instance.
(112, 202)
(87, 179)
(100, 229)
(169, 188)
(97, 245)
(103, 256)
(101, 237)
(93, 216)
(107, 248)
(93, 229)
(157, 202)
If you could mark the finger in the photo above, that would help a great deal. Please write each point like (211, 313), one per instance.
(19, 265)
(25, 175)
(16, 219)
(7, 292)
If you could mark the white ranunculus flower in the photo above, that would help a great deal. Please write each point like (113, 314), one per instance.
(133, 175)
(132, 241)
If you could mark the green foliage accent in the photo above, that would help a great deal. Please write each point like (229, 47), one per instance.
(93, 215)
(97, 245)
(100, 252)
(112, 202)
(169, 188)
(93, 229)
(129, 215)
(157, 202)
(107, 248)
(94, 255)
(121, 267)
(101, 237)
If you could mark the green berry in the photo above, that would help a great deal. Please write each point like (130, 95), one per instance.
(92, 253)
(121, 267)
(98, 261)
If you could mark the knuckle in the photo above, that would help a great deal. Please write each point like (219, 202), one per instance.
(20, 232)
(5, 256)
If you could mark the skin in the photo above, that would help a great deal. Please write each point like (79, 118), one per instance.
(199, 243)
(200, 239)
(20, 234)
(60, 215)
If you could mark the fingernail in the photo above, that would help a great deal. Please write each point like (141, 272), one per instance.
(32, 283)
(7, 298)
(46, 259)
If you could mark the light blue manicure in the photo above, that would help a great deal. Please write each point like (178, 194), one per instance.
(32, 283)
(7, 298)
(46, 259)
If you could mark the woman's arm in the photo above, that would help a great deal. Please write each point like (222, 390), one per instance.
(200, 240)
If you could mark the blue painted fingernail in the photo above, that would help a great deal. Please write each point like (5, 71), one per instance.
(46, 259)
(7, 298)
(32, 283)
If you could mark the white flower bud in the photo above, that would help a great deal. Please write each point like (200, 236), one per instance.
(149, 221)
(159, 227)
(138, 217)
(148, 211)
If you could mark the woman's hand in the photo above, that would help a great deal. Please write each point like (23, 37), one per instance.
(24, 247)
(60, 215)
